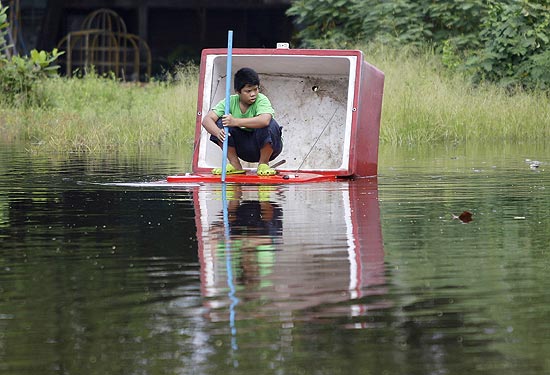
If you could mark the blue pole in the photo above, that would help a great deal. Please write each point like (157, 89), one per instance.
(227, 102)
(229, 269)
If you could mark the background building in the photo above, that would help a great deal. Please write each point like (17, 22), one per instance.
(175, 30)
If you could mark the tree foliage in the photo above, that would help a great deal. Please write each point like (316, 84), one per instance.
(516, 50)
(504, 41)
(396, 21)
(326, 23)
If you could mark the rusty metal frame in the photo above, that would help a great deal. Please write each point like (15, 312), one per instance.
(103, 45)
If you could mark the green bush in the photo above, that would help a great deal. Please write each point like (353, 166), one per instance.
(326, 23)
(501, 41)
(398, 22)
(20, 77)
(516, 49)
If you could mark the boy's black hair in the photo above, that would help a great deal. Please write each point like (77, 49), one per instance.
(245, 76)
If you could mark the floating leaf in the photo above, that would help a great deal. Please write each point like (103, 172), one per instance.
(465, 217)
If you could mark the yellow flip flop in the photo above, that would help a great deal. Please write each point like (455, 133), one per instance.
(264, 170)
(228, 170)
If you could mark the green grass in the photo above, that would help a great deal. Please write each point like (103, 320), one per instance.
(423, 104)
(97, 114)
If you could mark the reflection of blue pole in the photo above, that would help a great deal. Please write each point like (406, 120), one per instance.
(229, 270)
(227, 102)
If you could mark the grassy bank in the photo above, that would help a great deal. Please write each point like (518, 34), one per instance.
(422, 104)
(95, 114)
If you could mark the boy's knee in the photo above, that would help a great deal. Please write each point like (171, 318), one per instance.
(275, 128)
(273, 122)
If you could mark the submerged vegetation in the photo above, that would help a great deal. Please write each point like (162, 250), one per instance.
(455, 90)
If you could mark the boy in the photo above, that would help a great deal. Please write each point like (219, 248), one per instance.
(254, 135)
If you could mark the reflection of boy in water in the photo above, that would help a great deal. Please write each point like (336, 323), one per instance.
(254, 226)
(256, 218)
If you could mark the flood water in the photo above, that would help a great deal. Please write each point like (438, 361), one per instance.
(104, 271)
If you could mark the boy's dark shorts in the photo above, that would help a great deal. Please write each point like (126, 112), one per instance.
(248, 143)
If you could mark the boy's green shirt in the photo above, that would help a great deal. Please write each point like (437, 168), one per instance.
(260, 106)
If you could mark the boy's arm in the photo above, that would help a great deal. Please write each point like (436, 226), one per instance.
(209, 123)
(260, 121)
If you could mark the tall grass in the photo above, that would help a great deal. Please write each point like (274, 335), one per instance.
(425, 103)
(95, 114)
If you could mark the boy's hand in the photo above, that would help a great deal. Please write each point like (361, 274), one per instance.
(221, 134)
(228, 120)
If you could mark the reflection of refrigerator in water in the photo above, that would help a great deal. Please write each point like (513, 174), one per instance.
(321, 255)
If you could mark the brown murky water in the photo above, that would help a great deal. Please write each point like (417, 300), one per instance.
(103, 271)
